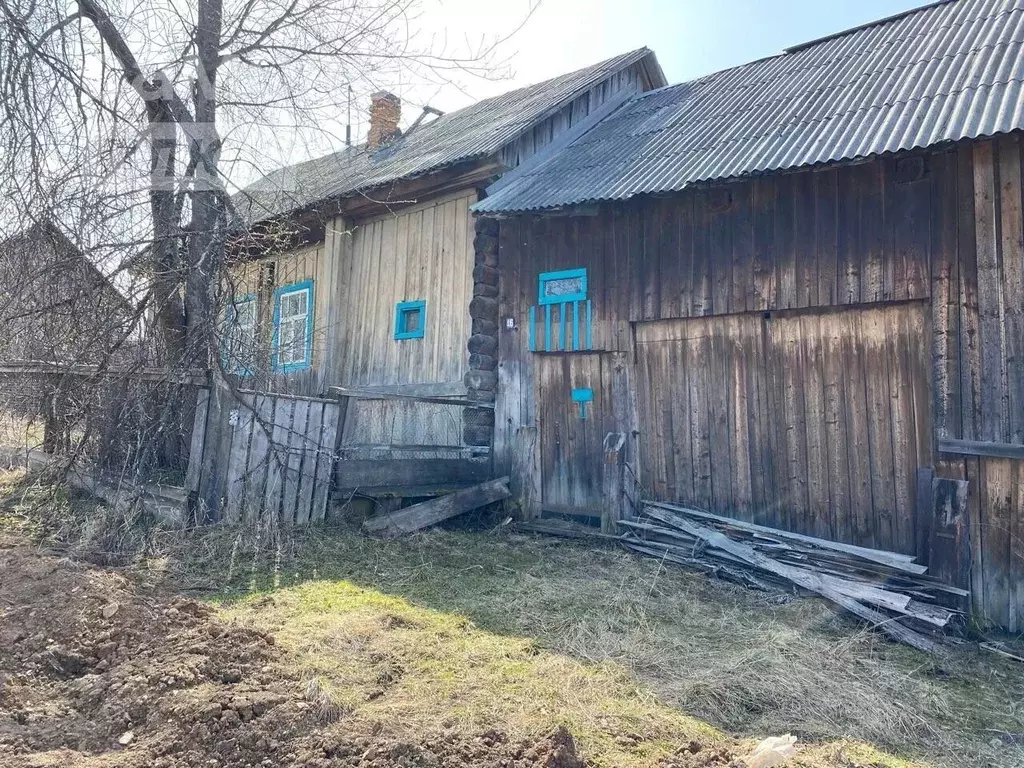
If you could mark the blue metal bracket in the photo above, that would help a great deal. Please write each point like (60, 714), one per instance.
(583, 396)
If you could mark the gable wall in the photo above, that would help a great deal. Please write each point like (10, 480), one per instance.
(630, 80)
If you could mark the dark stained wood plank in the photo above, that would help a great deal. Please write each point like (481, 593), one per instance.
(742, 225)
(990, 321)
(976, 521)
(814, 419)
(945, 292)
(720, 352)
(826, 224)
(738, 328)
(858, 429)
(1012, 284)
(764, 243)
(874, 235)
(981, 448)
(998, 494)
(848, 241)
(915, 365)
(785, 245)
(780, 511)
(970, 360)
(836, 433)
(368, 474)
(902, 432)
(701, 279)
(767, 490)
(911, 222)
(949, 554)
(720, 223)
(805, 240)
(699, 384)
(785, 339)
(880, 447)
(686, 249)
(658, 250)
(526, 472)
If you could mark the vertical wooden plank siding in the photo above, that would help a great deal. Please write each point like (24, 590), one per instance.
(692, 375)
(801, 341)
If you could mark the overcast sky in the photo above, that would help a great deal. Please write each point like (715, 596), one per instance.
(690, 37)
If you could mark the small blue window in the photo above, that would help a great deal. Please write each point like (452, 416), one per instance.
(562, 286)
(410, 319)
(293, 327)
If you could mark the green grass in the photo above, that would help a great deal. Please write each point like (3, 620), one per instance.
(517, 631)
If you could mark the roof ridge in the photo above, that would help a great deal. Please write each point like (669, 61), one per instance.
(867, 25)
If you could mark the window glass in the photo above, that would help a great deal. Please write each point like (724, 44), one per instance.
(240, 336)
(293, 327)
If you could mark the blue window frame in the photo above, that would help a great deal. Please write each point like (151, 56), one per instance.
(562, 286)
(411, 319)
(238, 338)
(293, 327)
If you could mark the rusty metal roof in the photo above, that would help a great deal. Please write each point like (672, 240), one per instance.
(475, 132)
(951, 70)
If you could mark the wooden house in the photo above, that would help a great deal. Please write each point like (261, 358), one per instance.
(376, 291)
(57, 306)
(790, 292)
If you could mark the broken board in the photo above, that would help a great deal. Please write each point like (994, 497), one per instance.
(434, 511)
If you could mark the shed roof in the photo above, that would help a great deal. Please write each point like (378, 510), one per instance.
(947, 71)
(475, 132)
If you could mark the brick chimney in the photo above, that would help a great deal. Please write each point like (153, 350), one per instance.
(385, 112)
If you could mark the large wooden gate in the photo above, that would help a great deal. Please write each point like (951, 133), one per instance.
(815, 422)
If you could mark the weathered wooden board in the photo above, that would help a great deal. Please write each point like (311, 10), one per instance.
(831, 445)
(434, 511)
(276, 457)
(367, 474)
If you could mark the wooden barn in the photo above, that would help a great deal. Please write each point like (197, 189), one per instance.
(790, 292)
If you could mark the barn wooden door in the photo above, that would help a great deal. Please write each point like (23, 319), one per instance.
(815, 422)
(586, 421)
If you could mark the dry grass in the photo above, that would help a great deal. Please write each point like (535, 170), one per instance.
(745, 663)
(479, 631)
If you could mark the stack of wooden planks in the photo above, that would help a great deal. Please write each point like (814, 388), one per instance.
(886, 589)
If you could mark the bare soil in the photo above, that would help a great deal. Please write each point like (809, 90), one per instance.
(99, 670)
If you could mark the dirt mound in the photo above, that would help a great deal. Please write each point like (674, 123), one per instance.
(96, 671)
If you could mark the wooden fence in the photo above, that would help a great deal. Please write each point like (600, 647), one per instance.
(263, 454)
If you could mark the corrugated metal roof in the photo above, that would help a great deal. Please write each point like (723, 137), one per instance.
(944, 72)
(467, 134)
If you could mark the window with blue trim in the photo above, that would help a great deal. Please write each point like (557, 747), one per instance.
(565, 313)
(565, 285)
(411, 319)
(239, 335)
(293, 327)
